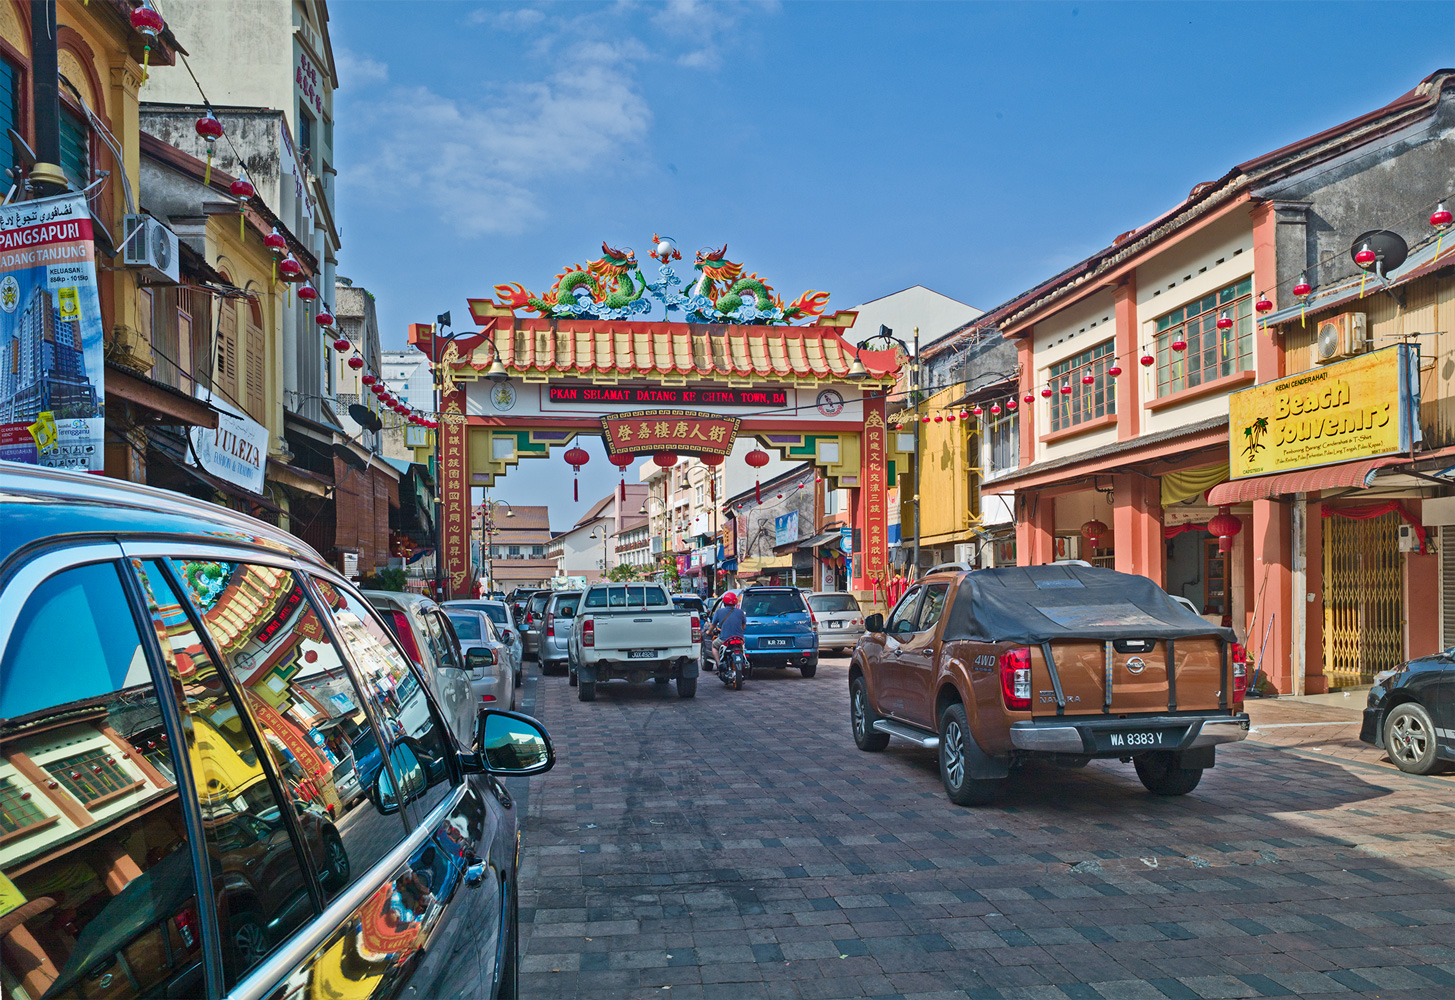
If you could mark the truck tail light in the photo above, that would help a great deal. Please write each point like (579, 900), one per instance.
(696, 629)
(588, 633)
(1015, 678)
(406, 636)
(551, 625)
(1239, 656)
(812, 620)
(186, 921)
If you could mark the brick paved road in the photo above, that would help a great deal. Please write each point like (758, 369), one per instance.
(739, 846)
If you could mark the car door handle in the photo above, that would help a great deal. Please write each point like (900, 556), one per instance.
(475, 873)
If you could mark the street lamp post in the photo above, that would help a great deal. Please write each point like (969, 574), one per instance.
(603, 548)
(487, 526)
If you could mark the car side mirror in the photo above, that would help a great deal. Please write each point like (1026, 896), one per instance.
(874, 623)
(411, 777)
(509, 743)
(479, 657)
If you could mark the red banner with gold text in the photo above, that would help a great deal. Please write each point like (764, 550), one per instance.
(455, 495)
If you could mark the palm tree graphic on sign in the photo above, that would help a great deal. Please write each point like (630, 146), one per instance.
(1254, 433)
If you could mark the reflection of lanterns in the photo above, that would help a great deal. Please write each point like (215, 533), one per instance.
(575, 458)
(1224, 525)
(1093, 531)
(758, 458)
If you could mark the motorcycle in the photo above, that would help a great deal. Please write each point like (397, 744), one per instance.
(732, 664)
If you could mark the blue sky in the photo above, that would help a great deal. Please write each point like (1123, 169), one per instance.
(975, 148)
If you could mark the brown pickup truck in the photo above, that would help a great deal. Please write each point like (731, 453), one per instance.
(1063, 663)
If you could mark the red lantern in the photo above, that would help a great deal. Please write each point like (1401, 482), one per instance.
(1010, 404)
(342, 344)
(1030, 397)
(711, 461)
(1224, 525)
(1263, 305)
(1179, 345)
(376, 387)
(978, 410)
(242, 188)
(758, 458)
(1225, 322)
(938, 418)
(1365, 257)
(307, 293)
(209, 128)
(1093, 530)
(925, 418)
(147, 21)
(994, 409)
(356, 362)
(966, 416)
(276, 243)
(1303, 289)
(1148, 361)
(621, 462)
(1066, 389)
(664, 459)
(1046, 392)
(290, 269)
(1088, 379)
(1441, 217)
(368, 379)
(1114, 371)
(324, 318)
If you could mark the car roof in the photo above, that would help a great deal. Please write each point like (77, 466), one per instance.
(399, 597)
(41, 504)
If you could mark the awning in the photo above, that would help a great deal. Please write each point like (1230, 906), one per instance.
(757, 564)
(170, 404)
(1358, 475)
(824, 539)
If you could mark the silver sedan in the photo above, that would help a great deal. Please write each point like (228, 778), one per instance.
(487, 657)
(503, 619)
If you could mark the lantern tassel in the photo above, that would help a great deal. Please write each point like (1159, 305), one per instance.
(1439, 243)
(758, 491)
(576, 490)
(207, 174)
(242, 226)
(1362, 281)
(146, 58)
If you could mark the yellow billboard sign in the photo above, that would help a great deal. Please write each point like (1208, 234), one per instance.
(1360, 408)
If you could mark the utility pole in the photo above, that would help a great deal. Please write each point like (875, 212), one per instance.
(46, 175)
(918, 444)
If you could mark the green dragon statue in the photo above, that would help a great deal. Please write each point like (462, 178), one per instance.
(610, 290)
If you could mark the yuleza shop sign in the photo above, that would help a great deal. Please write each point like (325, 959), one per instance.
(644, 431)
(236, 449)
(1355, 409)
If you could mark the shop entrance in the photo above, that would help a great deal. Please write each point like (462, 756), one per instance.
(1363, 599)
(1198, 571)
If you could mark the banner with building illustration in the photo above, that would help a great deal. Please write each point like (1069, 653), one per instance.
(52, 384)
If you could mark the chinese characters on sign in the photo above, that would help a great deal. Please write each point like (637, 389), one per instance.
(454, 494)
(875, 473)
(668, 395)
(686, 431)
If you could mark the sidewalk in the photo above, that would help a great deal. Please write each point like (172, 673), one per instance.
(1324, 724)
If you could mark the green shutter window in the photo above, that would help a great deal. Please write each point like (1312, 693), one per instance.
(75, 149)
(9, 115)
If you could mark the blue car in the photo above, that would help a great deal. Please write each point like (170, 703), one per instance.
(780, 630)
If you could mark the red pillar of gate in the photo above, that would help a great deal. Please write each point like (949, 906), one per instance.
(454, 490)
(870, 517)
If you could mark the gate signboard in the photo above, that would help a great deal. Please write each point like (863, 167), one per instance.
(687, 431)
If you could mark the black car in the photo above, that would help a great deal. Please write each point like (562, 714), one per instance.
(1409, 714)
(195, 704)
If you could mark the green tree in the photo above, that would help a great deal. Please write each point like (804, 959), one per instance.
(623, 572)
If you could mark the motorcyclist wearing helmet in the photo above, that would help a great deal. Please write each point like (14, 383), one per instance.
(728, 622)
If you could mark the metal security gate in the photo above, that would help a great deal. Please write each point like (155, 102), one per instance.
(1363, 598)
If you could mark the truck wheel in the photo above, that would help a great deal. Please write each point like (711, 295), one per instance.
(1409, 736)
(810, 668)
(586, 690)
(686, 687)
(962, 789)
(1162, 774)
(862, 717)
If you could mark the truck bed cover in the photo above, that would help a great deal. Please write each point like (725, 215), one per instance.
(1035, 604)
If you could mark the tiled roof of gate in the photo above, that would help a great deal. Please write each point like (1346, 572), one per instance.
(666, 349)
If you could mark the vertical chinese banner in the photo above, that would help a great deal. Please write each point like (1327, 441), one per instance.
(874, 474)
(455, 495)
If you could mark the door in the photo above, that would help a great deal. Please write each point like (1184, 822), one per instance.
(917, 658)
(889, 687)
(1363, 598)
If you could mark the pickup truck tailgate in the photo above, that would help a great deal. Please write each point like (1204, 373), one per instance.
(659, 630)
(1129, 676)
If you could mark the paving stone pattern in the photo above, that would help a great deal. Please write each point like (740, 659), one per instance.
(738, 845)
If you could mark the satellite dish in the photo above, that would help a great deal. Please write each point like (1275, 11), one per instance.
(24, 155)
(1390, 249)
(365, 417)
(350, 457)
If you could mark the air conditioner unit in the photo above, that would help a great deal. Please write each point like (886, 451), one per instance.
(1340, 337)
(151, 248)
(965, 552)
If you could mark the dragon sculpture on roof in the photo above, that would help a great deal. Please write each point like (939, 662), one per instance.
(613, 287)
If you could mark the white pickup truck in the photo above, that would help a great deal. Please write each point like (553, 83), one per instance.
(633, 631)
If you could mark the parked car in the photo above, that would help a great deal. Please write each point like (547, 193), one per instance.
(534, 623)
(518, 599)
(1064, 663)
(689, 602)
(633, 631)
(780, 629)
(504, 620)
(486, 656)
(430, 641)
(560, 616)
(837, 620)
(1409, 713)
(206, 655)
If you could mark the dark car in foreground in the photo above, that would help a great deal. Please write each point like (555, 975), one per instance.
(1409, 713)
(175, 821)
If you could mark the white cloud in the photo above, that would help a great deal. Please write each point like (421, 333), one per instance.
(521, 19)
(481, 164)
(710, 27)
(357, 70)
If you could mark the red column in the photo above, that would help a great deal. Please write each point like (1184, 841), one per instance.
(1035, 529)
(872, 517)
(1128, 350)
(454, 486)
(1137, 527)
(1273, 577)
(1025, 355)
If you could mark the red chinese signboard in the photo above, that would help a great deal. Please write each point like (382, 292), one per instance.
(683, 431)
(454, 495)
(874, 476)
